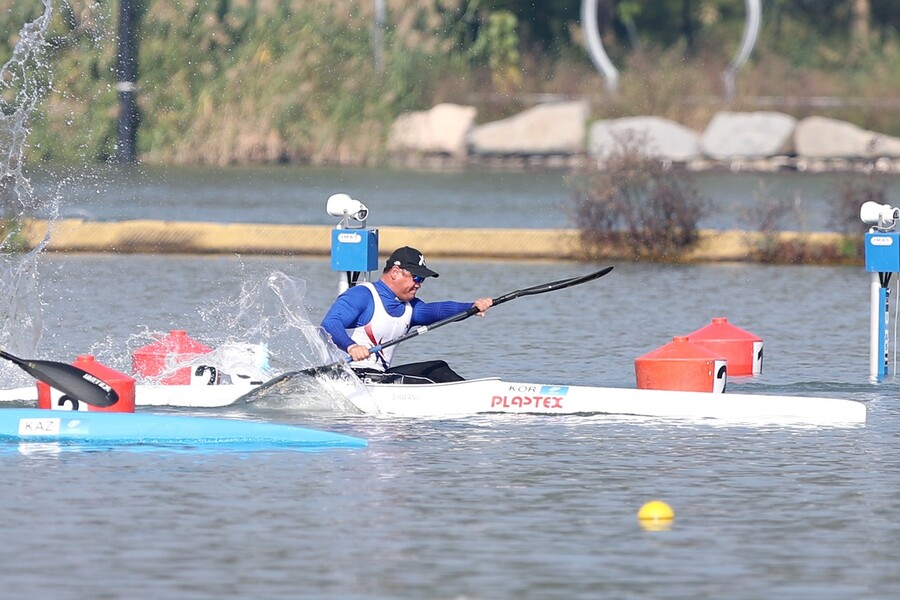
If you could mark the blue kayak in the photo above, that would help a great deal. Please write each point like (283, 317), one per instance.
(108, 428)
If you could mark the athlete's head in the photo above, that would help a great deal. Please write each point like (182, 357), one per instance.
(405, 271)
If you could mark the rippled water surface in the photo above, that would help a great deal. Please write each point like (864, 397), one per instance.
(487, 507)
(407, 198)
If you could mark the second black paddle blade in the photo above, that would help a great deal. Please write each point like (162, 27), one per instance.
(70, 380)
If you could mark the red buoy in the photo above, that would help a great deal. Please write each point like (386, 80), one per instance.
(160, 357)
(51, 398)
(681, 365)
(742, 349)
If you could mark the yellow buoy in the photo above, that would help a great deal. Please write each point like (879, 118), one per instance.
(656, 515)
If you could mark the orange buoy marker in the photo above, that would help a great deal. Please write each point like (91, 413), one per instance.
(160, 357)
(742, 349)
(51, 398)
(681, 365)
(656, 515)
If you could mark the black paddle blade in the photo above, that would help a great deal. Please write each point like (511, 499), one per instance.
(552, 286)
(68, 379)
(279, 380)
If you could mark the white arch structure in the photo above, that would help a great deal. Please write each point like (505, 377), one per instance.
(608, 69)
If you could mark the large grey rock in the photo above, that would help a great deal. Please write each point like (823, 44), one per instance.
(748, 135)
(440, 130)
(654, 136)
(553, 128)
(820, 137)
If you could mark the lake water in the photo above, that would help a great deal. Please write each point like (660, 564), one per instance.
(439, 199)
(486, 507)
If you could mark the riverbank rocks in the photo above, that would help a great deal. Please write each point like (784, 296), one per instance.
(819, 137)
(556, 136)
(440, 130)
(748, 135)
(552, 128)
(656, 136)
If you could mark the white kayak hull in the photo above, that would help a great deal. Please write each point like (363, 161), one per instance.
(195, 396)
(493, 395)
(497, 396)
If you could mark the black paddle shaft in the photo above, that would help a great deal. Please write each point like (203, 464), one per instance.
(473, 310)
(69, 379)
(552, 286)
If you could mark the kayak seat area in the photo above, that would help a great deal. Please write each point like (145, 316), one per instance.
(375, 376)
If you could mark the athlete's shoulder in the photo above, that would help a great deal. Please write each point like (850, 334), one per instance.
(358, 295)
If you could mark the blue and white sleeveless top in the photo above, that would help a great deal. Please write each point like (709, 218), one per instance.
(382, 328)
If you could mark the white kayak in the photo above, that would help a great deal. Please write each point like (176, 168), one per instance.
(497, 396)
(493, 395)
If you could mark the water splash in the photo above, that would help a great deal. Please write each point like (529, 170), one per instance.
(264, 331)
(271, 313)
(24, 82)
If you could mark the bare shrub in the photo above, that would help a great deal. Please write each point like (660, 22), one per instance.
(766, 215)
(634, 202)
(807, 252)
(852, 192)
(767, 212)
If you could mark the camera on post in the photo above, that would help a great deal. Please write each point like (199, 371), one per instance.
(881, 216)
(342, 205)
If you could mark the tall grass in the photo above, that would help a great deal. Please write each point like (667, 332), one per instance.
(238, 82)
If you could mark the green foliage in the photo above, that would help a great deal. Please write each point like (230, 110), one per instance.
(224, 81)
(239, 81)
(11, 238)
(499, 43)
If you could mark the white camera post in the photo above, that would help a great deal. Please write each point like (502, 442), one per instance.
(882, 261)
(354, 247)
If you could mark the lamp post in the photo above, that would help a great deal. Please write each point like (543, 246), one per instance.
(126, 74)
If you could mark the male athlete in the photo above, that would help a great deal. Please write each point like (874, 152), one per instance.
(373, 313)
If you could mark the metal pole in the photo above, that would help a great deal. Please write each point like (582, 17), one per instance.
(748, 41)
(595, 45)
(378, 36)
(126, 74)
(876, 336)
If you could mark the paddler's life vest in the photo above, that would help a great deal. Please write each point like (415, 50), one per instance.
(382, 328)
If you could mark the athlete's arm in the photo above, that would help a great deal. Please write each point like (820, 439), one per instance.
(426, 313)
(350, 310)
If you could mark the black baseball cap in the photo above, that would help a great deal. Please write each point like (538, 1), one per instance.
(410, 259)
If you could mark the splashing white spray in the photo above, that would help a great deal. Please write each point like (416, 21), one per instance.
(263, 332)
(24, 82)
(272, 313)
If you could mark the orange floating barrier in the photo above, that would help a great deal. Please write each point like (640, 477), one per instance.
(681, 365)
(162, 355)
(51, 398)
(743, 350)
